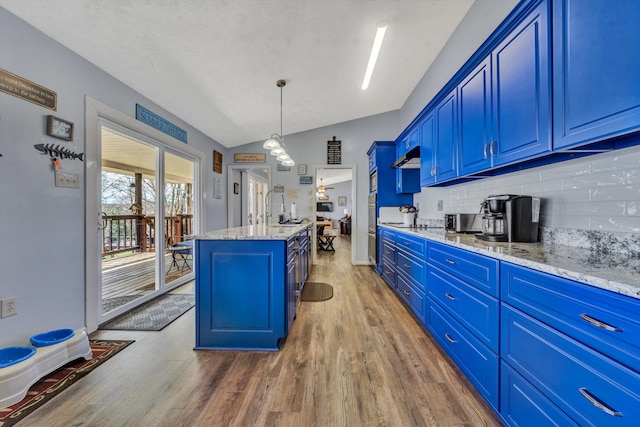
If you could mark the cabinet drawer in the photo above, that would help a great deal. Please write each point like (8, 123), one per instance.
(604, 320)
(476, 310)
(389, 252)
(478, 363)
(477, 270)
(591, 388)
(389, 272)
(415, 298)
(522, 405)
(412, 244)
(413, 269)
(389, 236)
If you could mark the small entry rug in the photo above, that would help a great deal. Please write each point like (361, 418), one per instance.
(316, 291)
(49, 387)
(153, 315)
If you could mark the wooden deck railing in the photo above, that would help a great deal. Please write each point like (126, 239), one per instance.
(122, 233)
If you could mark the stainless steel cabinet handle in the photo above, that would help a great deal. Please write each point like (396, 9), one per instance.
(598, 403)
(433, 171)
(448, 337)
(484, 150)
(450, 261)
(493, 154)
(406, 266)
(407, 293)
(599, 323)
(451, 297)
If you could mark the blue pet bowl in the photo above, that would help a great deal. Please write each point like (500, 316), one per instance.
(12, 355)
(52, 337)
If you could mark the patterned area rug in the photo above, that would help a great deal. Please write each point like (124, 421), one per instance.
(316, 291)
(48, 387)
(153, 315)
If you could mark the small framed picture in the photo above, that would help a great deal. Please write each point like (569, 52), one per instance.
(59, 128)
(236, 188)
(342, 200)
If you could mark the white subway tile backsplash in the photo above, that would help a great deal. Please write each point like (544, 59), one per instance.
(599, 192)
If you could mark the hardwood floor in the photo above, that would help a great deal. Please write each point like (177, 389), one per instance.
(358, 359)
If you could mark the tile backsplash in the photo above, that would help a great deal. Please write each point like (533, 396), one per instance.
(599, 192)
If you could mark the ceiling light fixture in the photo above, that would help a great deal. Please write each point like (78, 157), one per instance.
(373, 57)
(275, 144)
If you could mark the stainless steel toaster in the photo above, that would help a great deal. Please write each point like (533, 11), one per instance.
(463, 223)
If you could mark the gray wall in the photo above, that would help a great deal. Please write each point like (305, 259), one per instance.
(42, 250)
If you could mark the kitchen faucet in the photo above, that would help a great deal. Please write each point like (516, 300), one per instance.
(276, 189)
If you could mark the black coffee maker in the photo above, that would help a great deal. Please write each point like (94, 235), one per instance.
(510, 218)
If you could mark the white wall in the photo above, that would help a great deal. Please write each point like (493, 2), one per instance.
(42, 249)
(599, 192)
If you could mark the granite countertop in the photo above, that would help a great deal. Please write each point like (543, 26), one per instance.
(256, 232)
(613, 272)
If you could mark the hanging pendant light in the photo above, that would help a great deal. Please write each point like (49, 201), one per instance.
(275, 144)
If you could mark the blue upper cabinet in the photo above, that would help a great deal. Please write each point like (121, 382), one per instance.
(522, 91)
(474, 101)
(596, 58)
(438, 147)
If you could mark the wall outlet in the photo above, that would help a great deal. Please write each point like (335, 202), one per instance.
(67, 179)
(440, 205)
(9, 307)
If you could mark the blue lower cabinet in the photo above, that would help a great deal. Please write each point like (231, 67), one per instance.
(241, 294)
(474, 359)
(414, 297)
(522, 405)
(588, 386)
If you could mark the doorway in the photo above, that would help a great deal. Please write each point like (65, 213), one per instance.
(246, 191)
(143, 193)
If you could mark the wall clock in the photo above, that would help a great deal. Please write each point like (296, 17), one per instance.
(58, 128)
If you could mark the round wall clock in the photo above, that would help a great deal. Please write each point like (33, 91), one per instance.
(58, 128)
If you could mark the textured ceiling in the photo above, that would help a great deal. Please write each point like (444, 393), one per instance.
(215, 63)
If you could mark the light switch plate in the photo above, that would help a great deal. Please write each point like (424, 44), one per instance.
(67, 179)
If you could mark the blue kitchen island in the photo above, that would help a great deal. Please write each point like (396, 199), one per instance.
(247, 283)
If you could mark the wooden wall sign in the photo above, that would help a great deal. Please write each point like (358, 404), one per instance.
(217, 161)
(29, 91)
(249, 158)
(334, 152)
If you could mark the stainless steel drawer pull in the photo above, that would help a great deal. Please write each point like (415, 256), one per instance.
(448, 337)
(406, 266)
(599, 323)
(451, 297)
(450, 261)
(599, 403)
(407, 293)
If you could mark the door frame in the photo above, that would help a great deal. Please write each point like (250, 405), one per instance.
(233, 207)
(95, 113)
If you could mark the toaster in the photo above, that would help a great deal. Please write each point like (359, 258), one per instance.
(463, 223)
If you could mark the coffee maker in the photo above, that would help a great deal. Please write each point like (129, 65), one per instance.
(510, 218)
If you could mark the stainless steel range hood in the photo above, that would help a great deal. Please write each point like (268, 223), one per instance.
(411, 160)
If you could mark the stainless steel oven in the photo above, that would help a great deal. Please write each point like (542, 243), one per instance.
(372, 229)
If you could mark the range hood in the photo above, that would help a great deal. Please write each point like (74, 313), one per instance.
(411, 160)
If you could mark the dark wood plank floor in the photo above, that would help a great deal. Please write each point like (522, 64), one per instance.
(358, 359)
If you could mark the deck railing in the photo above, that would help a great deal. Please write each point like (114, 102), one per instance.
(123, 233)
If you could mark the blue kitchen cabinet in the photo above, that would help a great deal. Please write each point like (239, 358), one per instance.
(411, 273)
(388, 257)
(427, 150)
(291, 285)
(475, 117)
(438, 148)
(382, 178)
(408, 179)
(240, 307)
(521, 90)
(596, 58)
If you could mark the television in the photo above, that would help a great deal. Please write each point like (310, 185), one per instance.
(324, 206)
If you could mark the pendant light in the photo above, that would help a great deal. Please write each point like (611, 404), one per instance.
(275, 144)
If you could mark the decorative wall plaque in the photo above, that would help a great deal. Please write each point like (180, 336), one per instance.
(249, 158)
(163, 125)
(59, 128)
(217, 161)
(29, 91)
(334, 152)
(306, 180)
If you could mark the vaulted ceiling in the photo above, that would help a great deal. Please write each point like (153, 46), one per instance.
(215, 64)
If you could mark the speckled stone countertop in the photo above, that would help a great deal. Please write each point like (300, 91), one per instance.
(256, 232)
(614, 272)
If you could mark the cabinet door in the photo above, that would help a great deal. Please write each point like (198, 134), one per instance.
(446, 164)
(521, 91)
(474, 109)
(427, 142)
(291, 293)
(596, 59)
